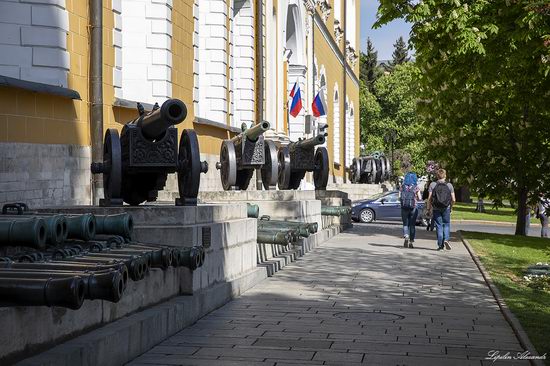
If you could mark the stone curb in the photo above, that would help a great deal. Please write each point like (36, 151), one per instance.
(496, 223)
(508, 315)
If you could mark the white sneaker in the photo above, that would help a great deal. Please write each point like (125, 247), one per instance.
(406, 244)
(447, 245)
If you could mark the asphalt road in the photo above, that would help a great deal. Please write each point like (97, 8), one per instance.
(469, 226)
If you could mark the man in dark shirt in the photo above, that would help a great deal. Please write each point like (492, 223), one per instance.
(441, 198)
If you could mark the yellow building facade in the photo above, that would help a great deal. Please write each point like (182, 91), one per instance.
(229, 61)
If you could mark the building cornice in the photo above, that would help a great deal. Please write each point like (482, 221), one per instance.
(334, 46)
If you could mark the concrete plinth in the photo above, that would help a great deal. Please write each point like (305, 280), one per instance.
(230, 267)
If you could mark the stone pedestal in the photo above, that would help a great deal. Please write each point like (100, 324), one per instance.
(357, 192)
(229, 269)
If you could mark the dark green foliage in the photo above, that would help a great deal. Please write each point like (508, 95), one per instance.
(370, 70)
(400, 54)
(485, 87)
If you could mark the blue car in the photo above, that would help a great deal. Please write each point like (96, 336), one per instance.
(384, 206)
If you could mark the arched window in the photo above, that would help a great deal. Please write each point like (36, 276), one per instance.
(336, 125)
(350, 134)
(338, 10)
(323, 120)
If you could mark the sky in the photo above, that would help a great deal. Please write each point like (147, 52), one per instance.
(382, 38)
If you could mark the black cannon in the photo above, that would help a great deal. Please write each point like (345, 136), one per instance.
(375, 168)
(300, 157)
(136, 165)
(244, 153)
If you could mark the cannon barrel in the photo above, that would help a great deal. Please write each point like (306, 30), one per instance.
(190, 257)
(159, 258)
(335, 210)
(107, 285)
(293, 232)
(301, 230)
(311, 142)
(81, 227)
(311, 227)
(279, 237)
(153, 125)
(252, 210)
(253, 133)
(120, 224)
(137, 266)
(29, 232)
(65, 292)
(56, 226)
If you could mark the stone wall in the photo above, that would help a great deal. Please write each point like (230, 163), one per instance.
(40, 174)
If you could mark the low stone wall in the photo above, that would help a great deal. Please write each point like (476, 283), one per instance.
(230, 259)
(45, 174)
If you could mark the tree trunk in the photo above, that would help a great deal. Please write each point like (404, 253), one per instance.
(521, 222)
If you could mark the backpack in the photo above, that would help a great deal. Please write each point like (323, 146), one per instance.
(408, 191)
(441, 196)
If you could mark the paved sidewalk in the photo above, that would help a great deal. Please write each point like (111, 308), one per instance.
(359, 298)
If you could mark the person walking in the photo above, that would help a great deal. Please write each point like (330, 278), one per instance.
(409, 195)
(441, 197)
(542, 212)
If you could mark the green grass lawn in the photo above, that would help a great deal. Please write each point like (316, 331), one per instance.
(465, 211)
(506, 257)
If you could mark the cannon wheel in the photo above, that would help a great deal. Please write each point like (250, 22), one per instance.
(382, 169)
(378, 176)
(189, 165)
(388, 169)
(228, 165)
(243, 178)
(112, 160)
(355, 171)
(320, 174)
(373, 170)
(283, 157)
(270, 169)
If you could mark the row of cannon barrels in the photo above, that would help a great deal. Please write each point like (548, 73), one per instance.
(335, 210)
(88, 257)
(282, 232)
(373, 169)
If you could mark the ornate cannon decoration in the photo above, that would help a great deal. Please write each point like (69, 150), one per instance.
(136, 165)
(375, 168)
(300, 157)
(242, 154)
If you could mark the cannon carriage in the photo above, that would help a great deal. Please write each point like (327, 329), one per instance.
(136, 165)
(372, 169)
(300, 157)
(244, 153)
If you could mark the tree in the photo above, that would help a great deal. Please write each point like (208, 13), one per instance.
(393, 107)
(370, 70)
(485, 90)
(400, 54)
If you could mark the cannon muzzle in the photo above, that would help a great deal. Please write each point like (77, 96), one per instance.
(279, 237)
(64, 292)
(120, 224)
(56, 226)
(335, 210)
(154, 124)
(190, 257)
(252, 210)
(256, 131)
(30, 232)
(81, 227)
(311, 142)
(106, 285)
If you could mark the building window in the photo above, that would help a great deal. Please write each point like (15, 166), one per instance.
(33, 41)
(336, 125)
(351, 26)
(350, 134)
(142, 38)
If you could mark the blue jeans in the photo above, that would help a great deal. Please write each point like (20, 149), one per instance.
(442, 220)
(408, 215)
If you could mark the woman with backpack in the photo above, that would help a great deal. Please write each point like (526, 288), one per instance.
(441, 197)
(409, 195)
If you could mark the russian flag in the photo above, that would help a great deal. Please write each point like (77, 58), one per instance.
(296, 105)
(319, 106)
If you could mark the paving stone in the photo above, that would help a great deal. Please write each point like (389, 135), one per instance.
(375, 304)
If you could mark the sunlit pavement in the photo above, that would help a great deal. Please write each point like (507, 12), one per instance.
(359, 298)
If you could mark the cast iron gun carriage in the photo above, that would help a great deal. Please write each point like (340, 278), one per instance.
(136, 165)
(244, 153)
(300, 157)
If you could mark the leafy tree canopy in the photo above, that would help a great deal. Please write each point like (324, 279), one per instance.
(484, 89)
